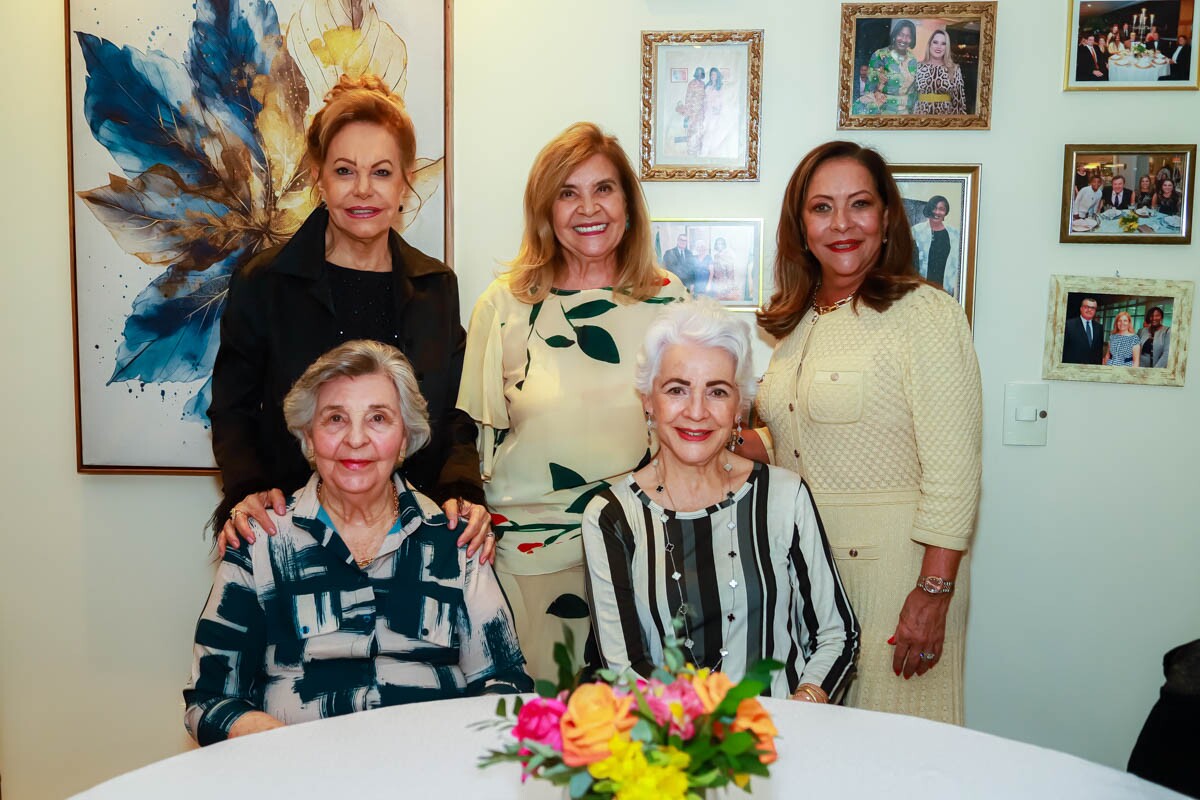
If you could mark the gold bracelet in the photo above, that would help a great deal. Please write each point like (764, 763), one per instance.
(815, 694)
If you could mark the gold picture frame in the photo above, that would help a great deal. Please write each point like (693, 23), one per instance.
(688, 248)
(958, 184)
(1163, 65)
(1070, 357)
(961, 97)
(701, 111)
(1090, 219)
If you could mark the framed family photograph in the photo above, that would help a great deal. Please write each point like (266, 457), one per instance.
(701, 105)
(942, 205)
(1117, 46)
(916, 65)
(717, 258)
(186, 158)
(1118, 330)
(1129, 193)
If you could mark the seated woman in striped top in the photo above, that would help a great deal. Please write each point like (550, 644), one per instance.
(731, 547)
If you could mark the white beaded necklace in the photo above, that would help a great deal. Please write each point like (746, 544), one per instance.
(677, 576)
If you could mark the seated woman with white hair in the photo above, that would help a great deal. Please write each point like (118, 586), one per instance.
(731, 547)
(362, 598)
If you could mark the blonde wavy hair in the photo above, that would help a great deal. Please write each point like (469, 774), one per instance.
(531, 273)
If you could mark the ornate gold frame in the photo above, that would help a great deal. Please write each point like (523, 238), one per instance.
(986, 14)
(1105, 86)
(969, 175)
(1173, 374)
(1185, 231)
(651, 168)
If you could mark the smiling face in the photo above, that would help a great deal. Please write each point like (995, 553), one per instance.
(843, 219)
(1168, 187)
(1096, 182)
(1144, 184)
(1124, 323)
(903, 40)
(937, 46)
(1118, 185)
(694, 401)
(1087, 309)
(940, 210)
(362, 182)
(357, 434)
(1156, 319)
(589, 214)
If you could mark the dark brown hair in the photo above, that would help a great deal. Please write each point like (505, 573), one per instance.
(797, 271)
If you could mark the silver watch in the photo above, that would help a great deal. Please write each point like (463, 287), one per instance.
(932, 584)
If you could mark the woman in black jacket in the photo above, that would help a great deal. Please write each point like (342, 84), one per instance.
(345, 274)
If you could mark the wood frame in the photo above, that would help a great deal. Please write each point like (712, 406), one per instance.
(1179, 294)
(1141, 234)
(855, 115)
(1071, 54)
(168, 461)
(657, 165)
(968, 175)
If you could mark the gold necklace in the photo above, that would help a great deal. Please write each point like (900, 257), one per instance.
(823, 310)
(363, 562)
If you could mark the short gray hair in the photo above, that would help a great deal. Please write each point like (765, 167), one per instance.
(700, 323)
(354, 359)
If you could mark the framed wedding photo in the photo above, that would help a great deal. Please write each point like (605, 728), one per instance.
(717, 258)
(1118, 330)
(1123, 46)
(942, 205)
(701, 105)
(916, 65)
(1127, 193)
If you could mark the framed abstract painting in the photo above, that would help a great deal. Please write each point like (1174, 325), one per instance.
(186, 123)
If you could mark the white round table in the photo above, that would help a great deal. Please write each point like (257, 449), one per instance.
(426, 750)
(1151, 71)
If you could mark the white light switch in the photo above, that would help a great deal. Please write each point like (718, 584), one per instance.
(1026, 408)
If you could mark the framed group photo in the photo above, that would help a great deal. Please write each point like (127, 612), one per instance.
(1118, 330)
(1127, 194)
(916, 65)
(717, 258)
(941, 202)
(1121, 46)
(701, 105)
(186, 125)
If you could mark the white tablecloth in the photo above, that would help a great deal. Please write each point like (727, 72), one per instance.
(1132, 72)
(427, 751)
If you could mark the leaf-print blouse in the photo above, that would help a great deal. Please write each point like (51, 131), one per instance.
(551, 387)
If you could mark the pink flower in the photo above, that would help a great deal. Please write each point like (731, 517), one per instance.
(538, 720)
(675, 705)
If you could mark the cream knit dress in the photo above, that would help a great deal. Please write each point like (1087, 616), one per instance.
(884, 422)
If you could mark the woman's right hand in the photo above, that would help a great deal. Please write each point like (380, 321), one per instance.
(254, 506)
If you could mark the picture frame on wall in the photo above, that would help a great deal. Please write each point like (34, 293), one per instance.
(1118, 330)
(1127, 193)
(1130, 46)
(701, 105)
(916, 65)
(186, 125)
(717, 258)
(941, 202)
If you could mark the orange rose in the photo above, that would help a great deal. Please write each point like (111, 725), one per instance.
(752, 717)
(594, 715)
(711, 688)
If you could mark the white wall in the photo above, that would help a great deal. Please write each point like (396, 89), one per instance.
(1086, 550)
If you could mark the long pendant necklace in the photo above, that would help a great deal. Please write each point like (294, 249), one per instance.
(363, 562)
(677, 576)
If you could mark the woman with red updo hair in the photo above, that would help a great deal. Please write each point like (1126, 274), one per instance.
(345, 274)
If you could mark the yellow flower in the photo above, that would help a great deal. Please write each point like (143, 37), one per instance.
(594, 714)
(655, 783)
(626, 762)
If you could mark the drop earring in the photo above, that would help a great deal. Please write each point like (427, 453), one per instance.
(736, 439)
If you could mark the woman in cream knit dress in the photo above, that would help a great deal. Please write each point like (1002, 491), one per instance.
(873, 396)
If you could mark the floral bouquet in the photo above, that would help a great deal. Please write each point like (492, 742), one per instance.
(1139, 50)
(676, 736)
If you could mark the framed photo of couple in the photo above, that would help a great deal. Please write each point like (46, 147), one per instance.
(942, 205)
(717, 258)
(916, 65)
(1118, 330)
(1123, 46)
(701, 105)
(1127, 193)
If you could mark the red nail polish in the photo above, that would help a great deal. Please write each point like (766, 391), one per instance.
(892, 640)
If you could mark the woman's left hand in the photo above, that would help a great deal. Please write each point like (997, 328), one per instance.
(921, 629)
(477, 534)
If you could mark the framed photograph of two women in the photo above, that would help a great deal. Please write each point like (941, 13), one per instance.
(701, 105)
(186, 137)
(1122, 46)
(916, 65)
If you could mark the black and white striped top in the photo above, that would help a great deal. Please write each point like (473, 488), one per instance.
(778, 596)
